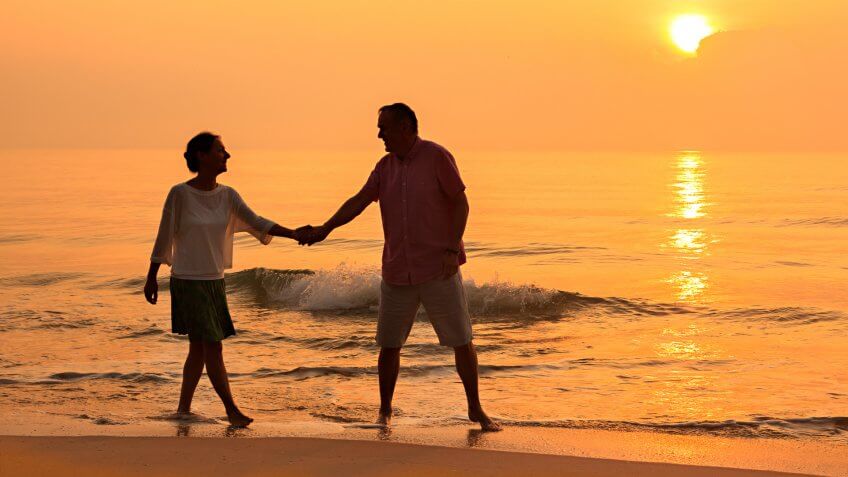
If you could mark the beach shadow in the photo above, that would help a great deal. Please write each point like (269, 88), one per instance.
(236, 431)
(475, 437)
(183, 430)
(384, 433)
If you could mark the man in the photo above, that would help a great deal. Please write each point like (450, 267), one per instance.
(424, 211)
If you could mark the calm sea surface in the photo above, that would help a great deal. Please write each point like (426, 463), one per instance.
(679, 292)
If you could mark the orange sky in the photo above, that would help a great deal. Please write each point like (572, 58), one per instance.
(587, 74)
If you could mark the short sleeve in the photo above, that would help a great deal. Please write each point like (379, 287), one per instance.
(245, 220)
(163, 248)
(371, 189)
(448, 174)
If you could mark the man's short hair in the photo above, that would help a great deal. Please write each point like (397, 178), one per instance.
(402, 111)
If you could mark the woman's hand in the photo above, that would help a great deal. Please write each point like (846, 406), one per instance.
(151, 290)
(308, 235)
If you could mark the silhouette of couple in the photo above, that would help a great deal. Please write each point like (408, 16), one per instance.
(424, 212)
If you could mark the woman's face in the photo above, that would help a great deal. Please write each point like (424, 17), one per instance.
(214, 160)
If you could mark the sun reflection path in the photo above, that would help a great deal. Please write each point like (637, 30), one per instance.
(690, 187)
(689, 204)
(689, 240)
(689, 285)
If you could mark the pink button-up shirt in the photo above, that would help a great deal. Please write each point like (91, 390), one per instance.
(416, 197)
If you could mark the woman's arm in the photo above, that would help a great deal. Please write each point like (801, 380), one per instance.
(151, 287)
(261, 228)
(280, 231)
(163, 248)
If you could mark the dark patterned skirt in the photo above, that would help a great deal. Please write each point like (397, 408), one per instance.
(199, 309)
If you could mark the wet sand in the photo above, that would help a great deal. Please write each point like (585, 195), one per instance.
(172, 456)
(45, 442)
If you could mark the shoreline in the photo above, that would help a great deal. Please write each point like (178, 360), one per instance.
(166, 456)
(40, 436)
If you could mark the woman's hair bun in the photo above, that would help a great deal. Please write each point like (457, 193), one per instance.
(200, 143)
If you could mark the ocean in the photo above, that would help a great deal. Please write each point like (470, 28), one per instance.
(681, 292)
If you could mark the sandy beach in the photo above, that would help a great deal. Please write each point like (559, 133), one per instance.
(170, 456)
(40, 439)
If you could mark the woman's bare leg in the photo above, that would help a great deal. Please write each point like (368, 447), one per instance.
(217, 372)
(192, 370)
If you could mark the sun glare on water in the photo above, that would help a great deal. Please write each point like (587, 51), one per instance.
(687, 31)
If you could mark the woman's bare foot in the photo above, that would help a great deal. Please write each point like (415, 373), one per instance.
(486, 423)
(384, 419)
(238, 419)
(182, 416)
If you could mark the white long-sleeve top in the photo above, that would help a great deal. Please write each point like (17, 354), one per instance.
(196, 232)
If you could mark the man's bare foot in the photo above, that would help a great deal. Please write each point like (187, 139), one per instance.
(486, 423)
(384, 419)
(238, 419)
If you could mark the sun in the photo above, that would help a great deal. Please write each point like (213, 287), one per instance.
(687, 31)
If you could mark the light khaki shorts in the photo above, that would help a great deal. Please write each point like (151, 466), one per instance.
(443, 300)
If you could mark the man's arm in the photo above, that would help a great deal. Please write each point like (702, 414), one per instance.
(347, 212)
(459, 219)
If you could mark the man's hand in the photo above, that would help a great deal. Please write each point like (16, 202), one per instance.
(318, 234)
(309, 235)
(302, 234)
(450, 264)
(151, 290)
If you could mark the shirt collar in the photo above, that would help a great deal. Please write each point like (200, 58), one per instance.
(412, 150)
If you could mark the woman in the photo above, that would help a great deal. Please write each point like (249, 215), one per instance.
(196, 240)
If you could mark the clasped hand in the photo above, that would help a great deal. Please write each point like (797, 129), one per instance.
(308, 235)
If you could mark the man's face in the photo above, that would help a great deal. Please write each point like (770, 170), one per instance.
(392, 131)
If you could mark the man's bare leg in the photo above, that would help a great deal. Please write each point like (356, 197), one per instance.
(388, 367)
(192, 370)
(217, 372)
(466, 367)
